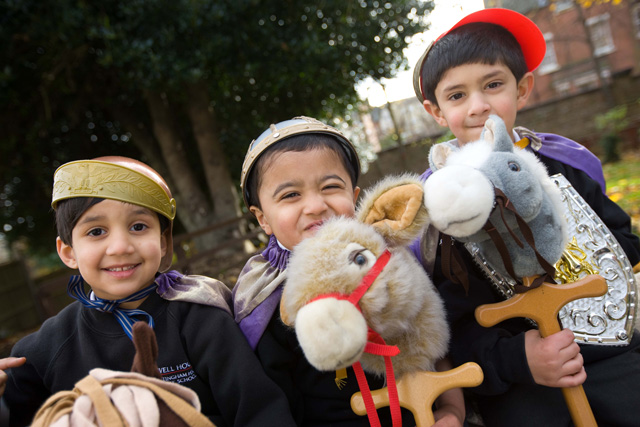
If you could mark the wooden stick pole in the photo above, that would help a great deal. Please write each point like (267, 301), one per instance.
(418, 391)
(543, 304)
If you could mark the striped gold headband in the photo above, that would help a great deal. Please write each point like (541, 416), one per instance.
(102, 179)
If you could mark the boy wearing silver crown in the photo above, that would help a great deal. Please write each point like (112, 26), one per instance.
(296, 175)
(114, 217)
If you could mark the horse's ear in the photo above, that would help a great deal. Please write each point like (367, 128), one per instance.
(439, 154)
(144, 340)
(395, 208)
(495, 133)
(488, 132)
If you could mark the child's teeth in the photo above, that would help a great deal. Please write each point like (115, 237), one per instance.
(121, 268)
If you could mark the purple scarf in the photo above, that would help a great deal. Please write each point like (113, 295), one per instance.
(247, 291)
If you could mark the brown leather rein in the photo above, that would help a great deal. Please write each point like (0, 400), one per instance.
(455, 270)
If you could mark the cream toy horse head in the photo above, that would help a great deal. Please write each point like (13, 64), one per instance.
(401, 304)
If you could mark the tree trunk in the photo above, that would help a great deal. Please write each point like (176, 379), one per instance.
(203, 121)
(144, 141)
(195, 211)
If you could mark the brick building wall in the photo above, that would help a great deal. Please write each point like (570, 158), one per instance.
(574, 116)
(568, 95)
(567, 42)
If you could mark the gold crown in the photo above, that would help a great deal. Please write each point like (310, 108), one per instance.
(94, 178)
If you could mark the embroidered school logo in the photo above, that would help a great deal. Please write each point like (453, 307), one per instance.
(180, 373)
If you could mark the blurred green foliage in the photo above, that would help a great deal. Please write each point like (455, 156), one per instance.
(623, 186)
(611, 123)
(75, 76)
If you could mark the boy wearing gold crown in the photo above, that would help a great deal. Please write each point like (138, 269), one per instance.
(114, 217)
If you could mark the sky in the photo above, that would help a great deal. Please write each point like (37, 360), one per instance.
(445, 14)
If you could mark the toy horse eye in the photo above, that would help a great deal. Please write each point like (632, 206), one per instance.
(359, 259)
(514, 166)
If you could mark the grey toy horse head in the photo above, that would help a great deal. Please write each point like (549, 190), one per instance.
(460, 197)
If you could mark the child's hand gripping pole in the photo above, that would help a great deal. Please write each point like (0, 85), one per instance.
(8, 363)
(543, 304)
(419, 390)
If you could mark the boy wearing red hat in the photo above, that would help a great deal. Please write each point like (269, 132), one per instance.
(483, 65)
(114, 217)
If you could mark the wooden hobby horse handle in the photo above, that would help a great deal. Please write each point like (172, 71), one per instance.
(418, 391)
(543, 304)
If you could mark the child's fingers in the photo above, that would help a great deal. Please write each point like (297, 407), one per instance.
(573, 380)
(447, 420)
(11, 362)
(562, 339)
(554, 361)
(7, 363)
(569, 352)
(559, 346)
(573, 366)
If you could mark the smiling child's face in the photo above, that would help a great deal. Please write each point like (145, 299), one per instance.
(300, 190)
(469, 93)
(117, 247)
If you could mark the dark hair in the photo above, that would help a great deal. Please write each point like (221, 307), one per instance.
(475, 43)
(69, 211)
(297, 143)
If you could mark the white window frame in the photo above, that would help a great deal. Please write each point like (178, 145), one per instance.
(562, 87)
(608, 46)
(561, 5)
(550, 61)
(586, 80)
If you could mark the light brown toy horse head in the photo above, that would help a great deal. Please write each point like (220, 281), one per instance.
(401, 304)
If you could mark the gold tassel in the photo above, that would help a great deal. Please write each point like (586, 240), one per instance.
(341, 378)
